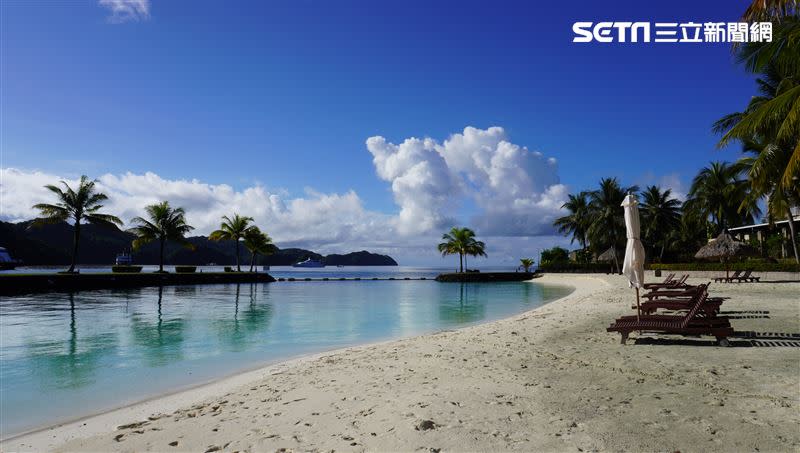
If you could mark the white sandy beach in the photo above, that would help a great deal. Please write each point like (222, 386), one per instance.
(551, 379)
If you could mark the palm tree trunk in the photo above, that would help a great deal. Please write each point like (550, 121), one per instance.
(75, 240)
(661, 255)
(161, 256)
(466, 266)
(792, 233)
(238, 267)
(252, 261)
(460, 262)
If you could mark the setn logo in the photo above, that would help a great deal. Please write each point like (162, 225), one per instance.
(605, 31)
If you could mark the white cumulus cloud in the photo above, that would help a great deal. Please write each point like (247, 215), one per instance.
(516, 190)
(126, 10)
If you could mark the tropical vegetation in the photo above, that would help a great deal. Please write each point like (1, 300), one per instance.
(526, 264)
(163, 223)
(258, 243)
(461, 242)
(78, 206)
(233, 229)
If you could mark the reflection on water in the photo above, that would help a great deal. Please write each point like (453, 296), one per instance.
(99, 349)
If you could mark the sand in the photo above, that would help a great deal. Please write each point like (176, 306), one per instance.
(551, 379)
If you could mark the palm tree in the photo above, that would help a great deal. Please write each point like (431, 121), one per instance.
(257, 242)
(526, 264)
(232, 230)
(474, 248)
(79, 206)
(164, 224)
(762, 166)
(718, 192)
(661, 214)
(764, 10)
(774, 115)
(608, 225)
(578, 220)
(461, 241)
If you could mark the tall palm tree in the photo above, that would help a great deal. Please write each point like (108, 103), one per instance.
(164, 223)
(232, 229)
(474, 247)
(774, 115)
(79, 206)
(461, 241)
(608, 222)
(258, 243)
(526, 264)
(718, 192)
(764, 10)
(578, 220)
(661, 214)
(762, 166)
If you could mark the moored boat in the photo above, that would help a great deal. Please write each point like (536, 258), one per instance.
(308, 262)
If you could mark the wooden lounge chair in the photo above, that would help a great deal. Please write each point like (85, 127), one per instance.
(710, 307)
(671, 284)
(692, 323)
(667, 280)
(684, 291)
(728, 279)
(746, 277)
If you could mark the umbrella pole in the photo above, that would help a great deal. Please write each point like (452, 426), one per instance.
(638, 309)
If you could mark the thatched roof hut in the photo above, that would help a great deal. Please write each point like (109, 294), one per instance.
(608, 255)
(724, 247)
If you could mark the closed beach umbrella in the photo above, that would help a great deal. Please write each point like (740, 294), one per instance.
(724, 247)
(633, 264)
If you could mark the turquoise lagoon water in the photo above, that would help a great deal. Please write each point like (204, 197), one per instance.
(95, 350)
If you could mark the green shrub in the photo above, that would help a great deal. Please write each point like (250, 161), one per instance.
(126, 269)
(555, 255)
(575, 267)
(757, 266)
(185, 269)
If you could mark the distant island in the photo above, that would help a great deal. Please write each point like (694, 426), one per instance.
(52, 244)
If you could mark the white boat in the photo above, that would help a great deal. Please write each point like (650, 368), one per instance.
(308, 262)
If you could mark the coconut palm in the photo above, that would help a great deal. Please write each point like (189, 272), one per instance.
(765, 10)
(577, 222)
(526, 264)
(461, 241)
(661, 214)
(608, 223)
(164, 223)
(774, 115)
(762, 166)
(79, 206)
(232, 229)
(258, 243)
(719, 193)
(474, 248)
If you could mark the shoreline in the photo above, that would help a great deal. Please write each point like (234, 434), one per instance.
(174, 399)
(548, 379)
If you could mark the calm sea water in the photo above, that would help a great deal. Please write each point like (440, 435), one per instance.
(96, 350)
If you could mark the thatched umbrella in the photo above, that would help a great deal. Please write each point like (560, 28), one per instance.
(723, 248)
(608, 255)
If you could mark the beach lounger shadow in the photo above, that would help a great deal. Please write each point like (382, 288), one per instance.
(739, 339)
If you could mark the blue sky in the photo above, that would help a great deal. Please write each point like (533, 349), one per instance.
(284, 94)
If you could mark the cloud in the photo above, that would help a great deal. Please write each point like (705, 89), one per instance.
(507, 189)
(516, 190)
(126, 10)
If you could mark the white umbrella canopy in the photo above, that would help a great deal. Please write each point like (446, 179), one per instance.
(633, 264)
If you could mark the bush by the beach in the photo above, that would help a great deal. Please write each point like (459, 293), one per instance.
(576, 267)
(756, 266)
(126, 269)
(185, 269)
